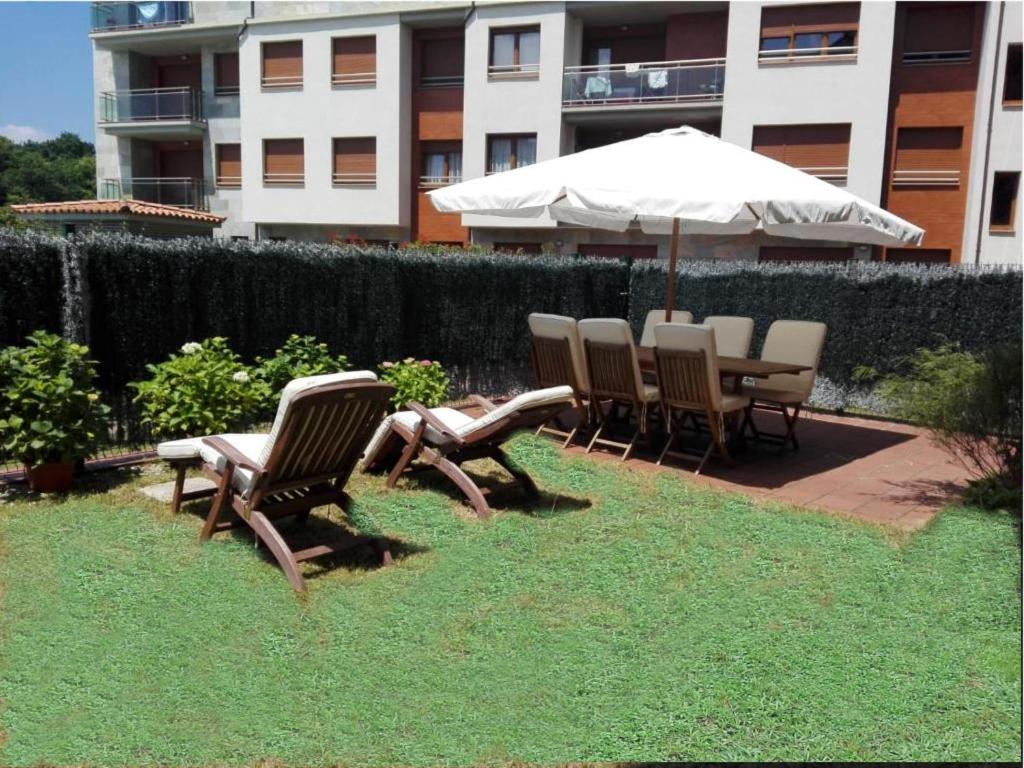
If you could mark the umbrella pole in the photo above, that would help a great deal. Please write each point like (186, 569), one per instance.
(673, 257)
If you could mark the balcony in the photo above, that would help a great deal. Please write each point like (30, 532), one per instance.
(181, 192)
(153, 112)
(655, 84)
(111, 17)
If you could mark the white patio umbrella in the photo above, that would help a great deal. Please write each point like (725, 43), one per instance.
(679, 180)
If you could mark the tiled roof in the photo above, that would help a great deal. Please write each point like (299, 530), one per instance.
(106, 207)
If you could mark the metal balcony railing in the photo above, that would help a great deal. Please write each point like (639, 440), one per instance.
(181, 192)
(920, 177)
(440, 181)
(832, 53)
(652, 82)
(151, 104)
(114, 16)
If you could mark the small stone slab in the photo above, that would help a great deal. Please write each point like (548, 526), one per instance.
(164, 492)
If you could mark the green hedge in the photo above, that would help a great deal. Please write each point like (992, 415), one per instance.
(31, 285)
(877, 314)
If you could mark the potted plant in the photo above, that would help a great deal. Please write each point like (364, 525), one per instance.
(50, 412)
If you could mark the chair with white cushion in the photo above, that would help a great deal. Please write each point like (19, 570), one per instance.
(656, 316)
(444, 438)
(614, 373)
(557, 357)
(788, 341)
(322, 425)
(732, 334)
(687, 363)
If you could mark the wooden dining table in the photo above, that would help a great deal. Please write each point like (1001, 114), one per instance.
(736, 368)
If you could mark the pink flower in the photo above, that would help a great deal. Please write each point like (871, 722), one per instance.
(425, 363)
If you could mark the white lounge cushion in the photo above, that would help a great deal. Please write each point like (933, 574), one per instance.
(793, 341)
(249, 445)
(538, 398)
(187, 448)
(734, 402)
(656, 316)
(561, 327)
(450, 417)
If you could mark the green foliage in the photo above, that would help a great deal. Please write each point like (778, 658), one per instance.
(49, 408)
(202, 390)
(421, 380)
(31, 286)
(972, 406)
(299, 356)
(45, 171)
(11, 220)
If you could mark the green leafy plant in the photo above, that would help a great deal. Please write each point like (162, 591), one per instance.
(50, 410)
(972, 406)
(421, 380)
(204, 389)
(298, 356)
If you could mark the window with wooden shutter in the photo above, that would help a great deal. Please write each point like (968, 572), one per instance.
(938, 34)
(355, 161)
(354, 60)
(284, 162)
(229, 165)
(442, 62)
(282, 64)
(927, 157)
(797, 32)
(820, 150)
(225, 74)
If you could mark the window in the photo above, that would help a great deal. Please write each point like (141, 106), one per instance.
(284, 162)
(1004, 201)
(820, 150)
(1012, 78)
(354, 60)
(507, 152)
(282, 64)
(794, 32)
(225, 74)
(917, 255)
(787, 253)
(938, 34)
(355, 162)
(927, 157)
(228, 158)
(515, 52)
(442, 62)
(442, 163)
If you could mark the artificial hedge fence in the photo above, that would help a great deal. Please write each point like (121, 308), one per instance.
(134, 300)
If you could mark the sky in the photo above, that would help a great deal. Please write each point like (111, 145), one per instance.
(46, 61)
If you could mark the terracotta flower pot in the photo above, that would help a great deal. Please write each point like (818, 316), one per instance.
(51, 478)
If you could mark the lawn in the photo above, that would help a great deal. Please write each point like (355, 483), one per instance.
(627, 616)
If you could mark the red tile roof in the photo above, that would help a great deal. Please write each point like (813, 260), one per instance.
(115, 207)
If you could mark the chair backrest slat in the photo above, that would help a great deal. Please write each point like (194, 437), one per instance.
(559, 327)
(612, 365)
(687, 363)
(552, 363)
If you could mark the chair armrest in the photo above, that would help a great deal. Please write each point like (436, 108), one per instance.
(231, 453)
(431, 420)
(483, 402)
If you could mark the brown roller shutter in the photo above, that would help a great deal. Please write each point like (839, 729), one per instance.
(283, 161)
(928, 157)
(225, 73)
(821, 150)
(229, 165)
(282, 64)
(775, 19)
(941, 28)
(354, 60)
(355, 161)
(442, 62)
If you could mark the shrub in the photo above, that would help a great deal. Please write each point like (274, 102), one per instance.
(50, 410)
(972, 406)
(421, 380)
(298, 356)
(203, 390)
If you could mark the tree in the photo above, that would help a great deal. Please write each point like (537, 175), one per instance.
(63, 168)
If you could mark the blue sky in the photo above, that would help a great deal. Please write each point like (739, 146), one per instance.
(46, 61)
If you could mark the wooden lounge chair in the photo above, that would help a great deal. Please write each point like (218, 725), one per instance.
(614, 373)
(322, 426)
(788, 341)
(656, 316)
(444, 438)
(687, 364)
(557, 357)
(732, 334)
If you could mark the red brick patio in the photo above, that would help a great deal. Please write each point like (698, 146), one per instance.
(871, 470)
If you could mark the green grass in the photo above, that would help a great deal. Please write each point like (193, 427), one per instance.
(629, 616)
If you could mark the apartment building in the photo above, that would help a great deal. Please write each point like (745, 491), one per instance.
(332, 120)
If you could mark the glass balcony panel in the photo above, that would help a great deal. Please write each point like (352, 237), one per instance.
(649, 82)
(147, 104)
(181, 192)
(114, 16)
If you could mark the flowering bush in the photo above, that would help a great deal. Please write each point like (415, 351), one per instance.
(49, 408)
(204, 389)
(421, 380)
(298, 356)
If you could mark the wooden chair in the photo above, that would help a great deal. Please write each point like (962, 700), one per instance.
(656, 316)
(444, 438)
(614, 374)
(687, 363)
(322, 426)
(557, 359)
(732, 334)
(788, 341)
